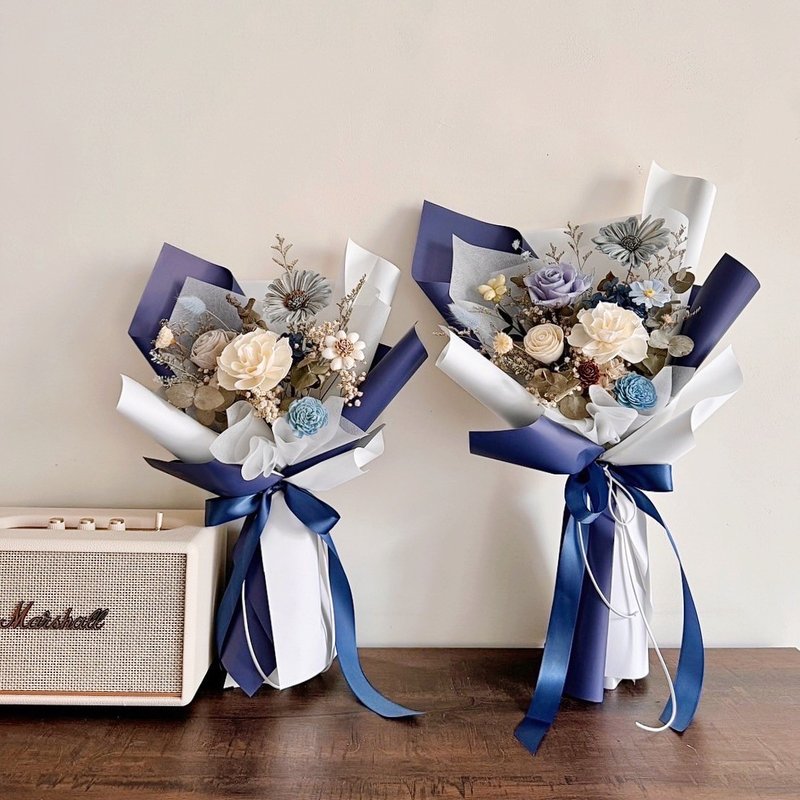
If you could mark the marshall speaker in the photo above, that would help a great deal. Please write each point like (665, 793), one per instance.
(106, 607)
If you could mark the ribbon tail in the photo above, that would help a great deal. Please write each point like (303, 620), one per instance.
(243, 554)
(235, 656)
(587, 662)
(691, 662)
(346, 648)
(257, 623)
(558, 644)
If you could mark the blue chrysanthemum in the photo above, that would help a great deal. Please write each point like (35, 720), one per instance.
(307, 416)
(636, 392)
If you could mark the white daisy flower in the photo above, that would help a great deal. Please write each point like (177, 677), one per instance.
(650, 293)
(343, 350)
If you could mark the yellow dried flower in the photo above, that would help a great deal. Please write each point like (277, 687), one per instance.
(494, 289)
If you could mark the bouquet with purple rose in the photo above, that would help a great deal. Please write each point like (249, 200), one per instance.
(586, 340)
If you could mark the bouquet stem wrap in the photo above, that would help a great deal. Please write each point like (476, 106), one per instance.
(577, 613)
(243, 627)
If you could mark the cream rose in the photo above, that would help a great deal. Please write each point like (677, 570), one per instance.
(207, 346)
(258, 360)
(544, 342)
(608, 331)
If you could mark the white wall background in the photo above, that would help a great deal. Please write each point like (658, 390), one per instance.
(214, 125)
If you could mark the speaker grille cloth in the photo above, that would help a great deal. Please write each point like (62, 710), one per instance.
(138, 650)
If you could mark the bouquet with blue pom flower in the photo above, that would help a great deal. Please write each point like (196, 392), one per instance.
(586, 340)
(268, 391)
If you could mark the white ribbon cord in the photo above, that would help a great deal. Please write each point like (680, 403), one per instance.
(623, 522)
(597, 588)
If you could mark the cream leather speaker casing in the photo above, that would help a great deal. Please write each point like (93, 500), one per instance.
(107, 617)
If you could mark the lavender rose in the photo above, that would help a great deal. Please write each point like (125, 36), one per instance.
(557, 285)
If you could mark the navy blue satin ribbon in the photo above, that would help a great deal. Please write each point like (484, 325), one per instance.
(320, 518)
(587, 495)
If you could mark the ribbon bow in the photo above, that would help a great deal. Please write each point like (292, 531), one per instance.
(243, 629)
(589, 528)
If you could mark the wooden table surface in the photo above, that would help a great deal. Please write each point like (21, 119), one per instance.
(316, 741)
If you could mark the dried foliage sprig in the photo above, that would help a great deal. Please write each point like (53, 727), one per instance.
(282, 248)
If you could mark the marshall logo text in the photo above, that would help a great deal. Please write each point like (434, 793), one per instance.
(21, 618)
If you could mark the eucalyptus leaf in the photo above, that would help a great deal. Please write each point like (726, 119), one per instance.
(654, 363)
(304, 379)
(181, 395)
(229, 396)
(542, 379)
(681, 281)
(660, 339)
(553, 385)
(207, 418)
(680, 345)
(573, 406)
(320, 367)
(206, 398)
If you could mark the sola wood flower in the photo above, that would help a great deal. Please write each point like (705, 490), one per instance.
(633, 241)
(588, 373)
(296, 296)
(255, 361)
(635, 391)
(307, 416)
(343, 350)
(607, 331)
(208, 346)
(544, 342)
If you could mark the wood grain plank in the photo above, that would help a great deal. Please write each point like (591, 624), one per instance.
(316, 742)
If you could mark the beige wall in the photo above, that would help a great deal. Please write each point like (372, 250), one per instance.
(213, 125)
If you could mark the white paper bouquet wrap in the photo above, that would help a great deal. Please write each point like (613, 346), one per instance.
(287, 611)
(598, 634)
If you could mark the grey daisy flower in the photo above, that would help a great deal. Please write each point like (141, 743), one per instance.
(632, 242)
(296, 296)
